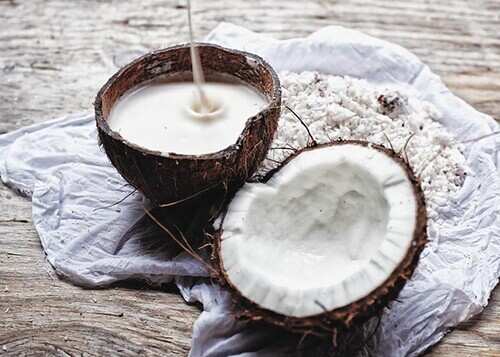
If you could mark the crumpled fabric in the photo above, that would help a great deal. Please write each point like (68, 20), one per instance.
(91, 223)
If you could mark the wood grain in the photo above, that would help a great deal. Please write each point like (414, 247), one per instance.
(55, 54)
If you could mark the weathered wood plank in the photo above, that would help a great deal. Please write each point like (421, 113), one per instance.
(55, 54)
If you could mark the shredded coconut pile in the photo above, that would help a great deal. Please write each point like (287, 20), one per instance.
(341, 108)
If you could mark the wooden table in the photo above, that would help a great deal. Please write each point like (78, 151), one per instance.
(55, 54)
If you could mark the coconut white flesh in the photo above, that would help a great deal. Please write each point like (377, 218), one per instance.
(326, 230)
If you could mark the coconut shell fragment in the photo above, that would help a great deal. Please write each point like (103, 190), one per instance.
(269, 282)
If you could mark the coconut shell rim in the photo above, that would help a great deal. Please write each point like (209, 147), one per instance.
(359, 310)
(274, 102)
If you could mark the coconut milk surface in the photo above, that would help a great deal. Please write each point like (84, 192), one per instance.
(160, 116)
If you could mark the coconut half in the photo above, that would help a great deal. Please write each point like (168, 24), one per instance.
(330, 236)
(170, 177)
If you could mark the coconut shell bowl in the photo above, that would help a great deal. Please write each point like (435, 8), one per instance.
(169, 177)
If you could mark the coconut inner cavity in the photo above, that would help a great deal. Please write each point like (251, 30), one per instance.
(328, 218)
(323, 232)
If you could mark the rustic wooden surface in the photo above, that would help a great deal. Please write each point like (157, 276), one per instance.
(55, 54)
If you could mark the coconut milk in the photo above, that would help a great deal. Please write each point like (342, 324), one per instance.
(166, 117)
(198, 77)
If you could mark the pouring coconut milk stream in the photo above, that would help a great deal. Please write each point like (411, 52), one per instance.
(205, 105)
(191, 118)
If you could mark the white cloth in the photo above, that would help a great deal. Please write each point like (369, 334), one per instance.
(93, 243)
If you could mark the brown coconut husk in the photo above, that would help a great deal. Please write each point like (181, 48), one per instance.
(340, 321)
(164, 179)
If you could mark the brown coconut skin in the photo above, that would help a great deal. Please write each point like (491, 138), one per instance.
(358, 311)
(172, 177)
